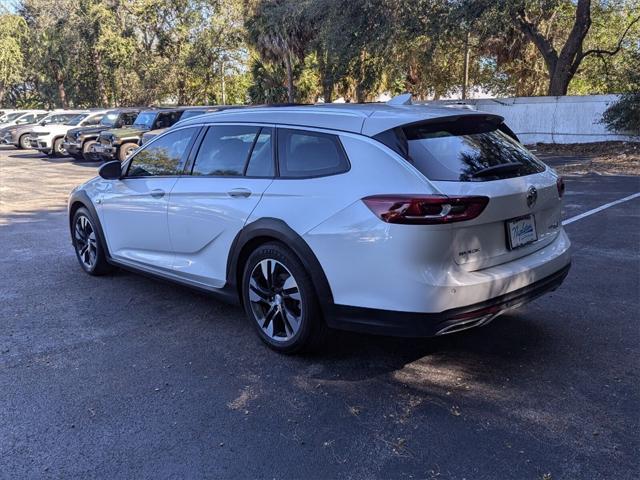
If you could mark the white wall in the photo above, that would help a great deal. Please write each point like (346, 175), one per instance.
(569, 119)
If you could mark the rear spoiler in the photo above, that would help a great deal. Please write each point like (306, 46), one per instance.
(396, 138)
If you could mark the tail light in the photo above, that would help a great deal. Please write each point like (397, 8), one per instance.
(560, 185)
(425, 209)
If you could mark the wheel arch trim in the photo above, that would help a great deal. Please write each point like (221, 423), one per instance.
(275, 229)
(81, 199)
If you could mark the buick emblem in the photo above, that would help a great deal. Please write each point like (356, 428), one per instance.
(532, 196)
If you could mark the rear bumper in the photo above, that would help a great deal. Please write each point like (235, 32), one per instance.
(409, 324)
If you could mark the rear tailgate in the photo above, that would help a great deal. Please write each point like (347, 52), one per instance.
(477, 155)
(521, 203)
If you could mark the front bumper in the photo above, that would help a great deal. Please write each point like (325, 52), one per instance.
(104, 151)
(7, 139)
(72, 148)
(409, 324)
(40, 144)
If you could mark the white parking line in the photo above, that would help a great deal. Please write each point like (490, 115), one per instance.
(599, 209)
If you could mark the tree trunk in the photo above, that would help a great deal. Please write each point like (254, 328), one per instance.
(62, 94)
(102, 91)
(326, 78)
(289, 66)
(465, 73)
(327, 91)
(559, 83)
(2, 91)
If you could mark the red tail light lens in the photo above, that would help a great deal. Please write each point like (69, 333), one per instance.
(560, 185)
(425, 209)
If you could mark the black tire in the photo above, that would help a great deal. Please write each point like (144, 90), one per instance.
(57, 150)
(125, 150)
(311, 330)
(86, 151)
(22, 142)
(97, 264)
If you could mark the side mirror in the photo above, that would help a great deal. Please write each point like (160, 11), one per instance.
(111, 170)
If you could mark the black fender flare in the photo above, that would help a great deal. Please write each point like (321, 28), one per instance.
(81, 197)
(273, 228)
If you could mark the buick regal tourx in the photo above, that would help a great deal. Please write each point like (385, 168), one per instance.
(393, 219)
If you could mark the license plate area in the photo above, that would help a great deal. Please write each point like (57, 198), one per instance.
(521, 231)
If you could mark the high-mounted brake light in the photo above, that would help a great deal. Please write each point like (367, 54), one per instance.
(425, 209)
(560, 185)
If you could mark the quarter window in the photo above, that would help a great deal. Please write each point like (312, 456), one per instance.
(225, 150)
(165, 156)
(310, 154)
(261, 161)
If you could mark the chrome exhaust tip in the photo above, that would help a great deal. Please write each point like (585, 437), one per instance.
(467, 324)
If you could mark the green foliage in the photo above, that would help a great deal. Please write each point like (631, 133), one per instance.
(135, 52)
(13, 30)
(624, 115)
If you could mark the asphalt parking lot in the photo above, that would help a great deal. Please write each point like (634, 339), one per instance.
(127, 377)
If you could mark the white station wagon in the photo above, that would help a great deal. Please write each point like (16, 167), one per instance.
(393, 219)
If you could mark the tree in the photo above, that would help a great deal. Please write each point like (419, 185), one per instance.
(562, 61)
(276, 28)
(13, 30)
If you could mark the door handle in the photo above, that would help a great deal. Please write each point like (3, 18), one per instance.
(239, 193)
(157, 193)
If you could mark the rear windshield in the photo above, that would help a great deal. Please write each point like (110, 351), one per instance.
(463, 150)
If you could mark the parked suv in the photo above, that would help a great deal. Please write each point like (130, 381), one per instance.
(79, 142)
(22, 117)
(49, 139)
(18, 135)
(186, 113)
(408, 220)
(119, 143)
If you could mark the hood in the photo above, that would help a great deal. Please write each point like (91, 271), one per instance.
(155, 133)
(21, 128)
(51, 128)
(126, 132)
(87, 130)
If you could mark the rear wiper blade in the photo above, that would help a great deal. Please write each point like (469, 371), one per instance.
(495, 169)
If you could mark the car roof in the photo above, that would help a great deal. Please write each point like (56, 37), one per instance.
(127, 109)
(365, 118)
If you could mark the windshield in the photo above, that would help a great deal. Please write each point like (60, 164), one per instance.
(191, 113)
(75, 120)
(145, 120)
(57, 118)
(110, 119)
(10, 117)
(463, 150)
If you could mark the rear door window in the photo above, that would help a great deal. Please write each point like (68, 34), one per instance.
(303, 154)
(166, 119)
(464, 150)
(225, 149)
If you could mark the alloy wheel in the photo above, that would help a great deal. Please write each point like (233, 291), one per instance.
(275, 300)
(86, 244)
